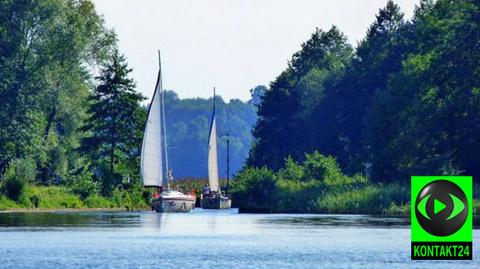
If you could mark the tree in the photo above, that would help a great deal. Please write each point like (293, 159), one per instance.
(284, 125)
(432, 104)
(116, 126)
(256, 95)
(405, 103)
(46, 50)
(377, 56)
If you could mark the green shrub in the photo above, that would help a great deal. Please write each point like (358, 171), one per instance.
(255, 189)
(294, 196)
(370, 199)
(353, 201)
(398, 210)
(50, 197)
(316, 185)
(97, 201)
(319, 167)
(72, 201)
(130, 199)
(292, 171)
(18, 173)
(6, 203)
(476, 207)
(84, 186)
(34, 200)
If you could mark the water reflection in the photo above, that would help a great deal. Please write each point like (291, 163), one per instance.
(69, 219)
(340, 220)
(198, 222)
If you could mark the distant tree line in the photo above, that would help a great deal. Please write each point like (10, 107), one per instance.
(188, 123)
(405, 101)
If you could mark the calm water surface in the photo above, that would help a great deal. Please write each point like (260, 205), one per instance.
(208, 239)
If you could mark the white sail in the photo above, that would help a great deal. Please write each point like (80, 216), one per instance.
(212, 152)
(151, 156)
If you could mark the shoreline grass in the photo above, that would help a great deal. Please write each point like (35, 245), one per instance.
(353, 201)
(44, 198)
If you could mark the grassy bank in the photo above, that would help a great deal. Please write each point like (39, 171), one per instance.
(59, 197)
(318, 186)
(34, 197)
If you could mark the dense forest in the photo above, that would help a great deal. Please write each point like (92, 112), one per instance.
(405, 101)
(72, 119)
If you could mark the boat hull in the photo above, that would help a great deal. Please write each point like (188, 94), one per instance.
(221, 202)
(175, 204)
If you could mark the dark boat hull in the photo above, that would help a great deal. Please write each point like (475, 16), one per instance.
(221, 202)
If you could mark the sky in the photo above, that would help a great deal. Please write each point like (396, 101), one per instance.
(233, 45)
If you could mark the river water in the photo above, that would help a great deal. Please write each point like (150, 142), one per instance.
(209, 239)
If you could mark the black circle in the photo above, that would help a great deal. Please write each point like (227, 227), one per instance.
(438, 224)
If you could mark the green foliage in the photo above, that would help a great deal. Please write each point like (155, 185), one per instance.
(18, 174)
(404, 102)
(434, 113)
(97, 201)
(59, 197)
(284, 127)
(255, 189)
(398, 210)
(315, 185)
(372, 199)
(476, 207)
(47, 49)
(84, 133)
(292, 171)
(84, 185)
(319, 167)
(115, 124)
(52, 197)
(7, 204)
(130, 199)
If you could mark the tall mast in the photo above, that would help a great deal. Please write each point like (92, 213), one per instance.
(228, 163)
(214, 100)
(162, 96)
(212, 151)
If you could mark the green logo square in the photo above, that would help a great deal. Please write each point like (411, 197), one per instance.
(441, 217)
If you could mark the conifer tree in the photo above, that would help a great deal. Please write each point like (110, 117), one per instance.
(116, 126)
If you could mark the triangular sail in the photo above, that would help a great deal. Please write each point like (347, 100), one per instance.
(212, 152)
(151, 156)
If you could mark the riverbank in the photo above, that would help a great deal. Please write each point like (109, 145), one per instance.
(318, 185)
(66, 210)
(281, 197)
(54, 198)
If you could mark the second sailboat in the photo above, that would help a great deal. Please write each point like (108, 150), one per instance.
(212, 197)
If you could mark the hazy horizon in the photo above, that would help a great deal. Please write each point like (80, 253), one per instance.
(233, 45)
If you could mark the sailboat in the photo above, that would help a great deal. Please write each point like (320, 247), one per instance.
(154, 154)
(213, 198)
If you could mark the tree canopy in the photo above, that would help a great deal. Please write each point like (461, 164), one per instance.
(403, 102)
(46, 51)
